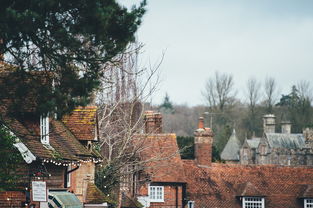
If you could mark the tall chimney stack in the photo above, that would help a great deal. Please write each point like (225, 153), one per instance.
(285, 127)
(153, 122)
(269, 123)
(203, 144)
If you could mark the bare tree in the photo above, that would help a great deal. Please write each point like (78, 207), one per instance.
(219, 91)
(305, 90)
(271, 93)
(121, 102)
(253, 96)
(253, 93)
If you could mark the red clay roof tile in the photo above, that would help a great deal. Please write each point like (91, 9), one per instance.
(82, 122)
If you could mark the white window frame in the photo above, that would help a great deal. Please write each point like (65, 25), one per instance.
(191, 204)
(156, 193)
(308, 203)
(253, 202)
(44, 129)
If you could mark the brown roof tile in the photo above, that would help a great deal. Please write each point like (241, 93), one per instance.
(82, 122)
(94, 195)
(221, 184)
(64, 144)
(165, 164)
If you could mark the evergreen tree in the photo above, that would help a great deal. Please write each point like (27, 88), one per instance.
(68, 42)
(298, 110)
(166, 106)
(10, 160)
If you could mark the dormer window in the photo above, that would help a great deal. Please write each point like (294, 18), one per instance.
(253, 202)
(44, 129)
(308, 203)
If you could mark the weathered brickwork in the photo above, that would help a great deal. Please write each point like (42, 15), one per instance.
(12, 199)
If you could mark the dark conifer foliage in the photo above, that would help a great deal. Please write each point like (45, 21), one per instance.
(65, 41)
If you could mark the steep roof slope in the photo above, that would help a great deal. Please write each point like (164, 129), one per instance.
(254, 142)
(231, 149)
(82, 122)
(288, 141)
(64, 146)
(222, 184)
(162, 156)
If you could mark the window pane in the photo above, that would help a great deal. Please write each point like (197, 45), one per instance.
(253, 202)
(308, 203)
(156, 193)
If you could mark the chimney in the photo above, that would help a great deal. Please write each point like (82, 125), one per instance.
(203, 144)
(285, 127)
(269, 123)
(153, 122)
(308, 135)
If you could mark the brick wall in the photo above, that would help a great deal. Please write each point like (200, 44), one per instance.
(172, 196)
(12, 199)
(80, 179)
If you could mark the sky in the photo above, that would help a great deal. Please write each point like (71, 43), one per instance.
(259, 39)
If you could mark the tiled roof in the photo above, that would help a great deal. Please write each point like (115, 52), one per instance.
(128, 202)
(308, 192)
(63, 144)
(231, 149)
(82, 122)
(288, 141)
(94, 195)
(221, 185)
(254, 142)
(164, 162)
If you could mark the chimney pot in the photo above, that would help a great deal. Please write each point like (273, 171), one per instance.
(201, 123)
(203, 144)
(286, 127)
(269, 123)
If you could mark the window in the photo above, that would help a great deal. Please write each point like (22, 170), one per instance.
(156, 193)
(308, 203)
(253, 202)
(44, 129)
(191, 204)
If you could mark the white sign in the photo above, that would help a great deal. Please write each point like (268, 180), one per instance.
(39, 191)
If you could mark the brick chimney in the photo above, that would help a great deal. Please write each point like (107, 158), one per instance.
(153, 122)
(285, 127)
(203, 144)
(269, 123)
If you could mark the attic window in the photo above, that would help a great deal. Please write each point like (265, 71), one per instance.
(44, 129)
(253, 202)
(156, 193)
(308, 203)
(191, 204)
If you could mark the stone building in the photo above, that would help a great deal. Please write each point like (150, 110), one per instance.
(284, 148)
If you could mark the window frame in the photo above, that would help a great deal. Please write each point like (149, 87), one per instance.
(44, 129)
(247, 199)
(191, 204)
(306, 203)
(154, 189)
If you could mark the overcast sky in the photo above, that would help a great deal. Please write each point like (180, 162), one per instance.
(245, 38)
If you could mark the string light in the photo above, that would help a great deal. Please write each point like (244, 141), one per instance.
(68, 163)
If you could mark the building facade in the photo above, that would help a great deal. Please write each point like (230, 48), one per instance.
(216, 185)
